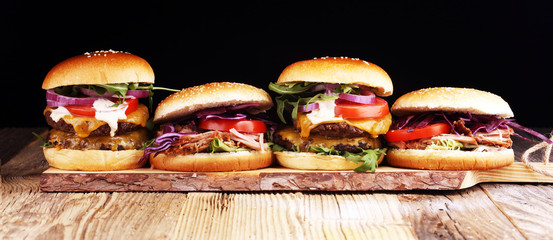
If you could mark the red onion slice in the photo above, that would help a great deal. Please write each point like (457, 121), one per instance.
(364, 99)
(238, 116)
(308, 108)
(130, 93)
(55, 100)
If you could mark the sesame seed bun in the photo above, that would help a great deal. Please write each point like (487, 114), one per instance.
(451, 99)
(450, 159)
(341, 70)
(100, 67)
(211, 95)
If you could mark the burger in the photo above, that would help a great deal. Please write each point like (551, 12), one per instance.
(93, 107)
(336, 117)
(212, 127)
(447, 128)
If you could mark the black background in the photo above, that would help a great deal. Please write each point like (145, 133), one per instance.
(504, 47)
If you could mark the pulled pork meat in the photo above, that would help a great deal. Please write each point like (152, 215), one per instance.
(195, 143)
(198, 140)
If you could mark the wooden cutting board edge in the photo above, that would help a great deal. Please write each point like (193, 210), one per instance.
(282, 179)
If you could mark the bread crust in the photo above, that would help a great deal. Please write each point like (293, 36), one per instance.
(341, 70)
(449, 159)
(93, 160)
(211, 95)
(453, 100)
(312, 161)
(213, 162)
(100, 67)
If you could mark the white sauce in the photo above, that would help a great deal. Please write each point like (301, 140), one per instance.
(110, 115)
(325, 112)
(58, 113)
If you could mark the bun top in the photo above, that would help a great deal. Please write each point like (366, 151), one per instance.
(451, 100)
(339, 70)
(211, 95)
(100, 67)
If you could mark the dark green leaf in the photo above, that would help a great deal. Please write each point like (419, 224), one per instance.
(45, 144)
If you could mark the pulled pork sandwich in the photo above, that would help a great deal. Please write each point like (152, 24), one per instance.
(93, 107)
(336, 117)
(212, 127)
(448, 128)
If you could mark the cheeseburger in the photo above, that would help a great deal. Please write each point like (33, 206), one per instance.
(336, 117)
(92, 105)
(212, 127)
(447, 128)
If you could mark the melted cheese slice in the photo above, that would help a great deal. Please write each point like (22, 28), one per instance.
(375, 126)
(83, 126)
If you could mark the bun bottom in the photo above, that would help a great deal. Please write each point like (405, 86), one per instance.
(313, 161)
(449, 159)
(213, 162)
(93, 160)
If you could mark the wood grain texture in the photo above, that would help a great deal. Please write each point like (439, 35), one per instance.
(529, 207)
(493, 211)
(464, 214)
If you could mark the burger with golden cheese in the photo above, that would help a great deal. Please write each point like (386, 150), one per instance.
(94, 109)
(336, 116)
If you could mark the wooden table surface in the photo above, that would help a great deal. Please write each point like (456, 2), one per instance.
(485, 211)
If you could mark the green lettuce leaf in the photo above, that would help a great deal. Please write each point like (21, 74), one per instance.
(216, 145)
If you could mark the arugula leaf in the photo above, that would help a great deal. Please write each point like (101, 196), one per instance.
(275, 147)
(216, 145)
(291, 88)
(323, 150)
(348, 88)
(147, 144)
(119, 89)
(45, 144)
(70, 91)
(369, 157)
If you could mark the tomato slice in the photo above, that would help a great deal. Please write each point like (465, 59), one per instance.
(353, 110)
(89, 111)
(249, 126)
(417, 133)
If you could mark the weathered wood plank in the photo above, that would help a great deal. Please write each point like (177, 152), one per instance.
(28, 212)
(22, 154)
(529, 206)
(463, 214)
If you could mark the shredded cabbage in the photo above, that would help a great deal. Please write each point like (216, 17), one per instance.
(445, 144)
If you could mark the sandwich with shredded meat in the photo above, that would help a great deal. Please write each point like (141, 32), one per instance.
(212, 127)
(447, 128)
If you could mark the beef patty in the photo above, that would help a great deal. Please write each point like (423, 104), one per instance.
(338, 130)
(291, 140)
(122, 127)
(128, 141)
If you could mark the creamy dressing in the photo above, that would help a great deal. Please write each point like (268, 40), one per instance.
(58, 113)
(111, 115)
(325, 112)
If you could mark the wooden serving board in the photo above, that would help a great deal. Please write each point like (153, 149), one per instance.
(282, 179)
